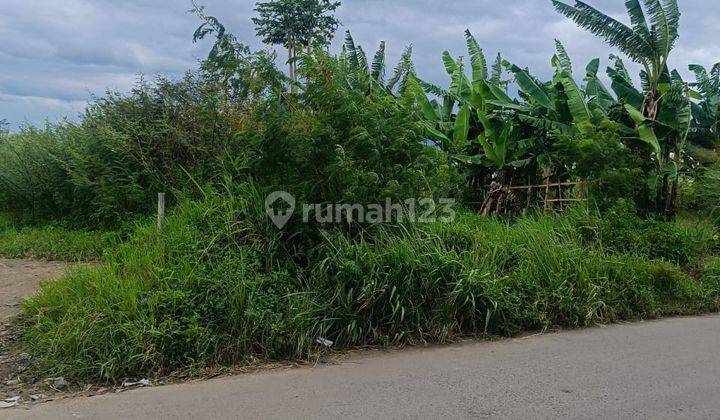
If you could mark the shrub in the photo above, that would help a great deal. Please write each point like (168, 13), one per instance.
(621, 230)
(212, 289)
(31, 179)
(707, 192)
(336, 143)
(599, 155)
(332, 142)
(108, 168)
(221, 285)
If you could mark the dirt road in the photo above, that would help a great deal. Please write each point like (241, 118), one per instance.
(20, 279)
(660, 369)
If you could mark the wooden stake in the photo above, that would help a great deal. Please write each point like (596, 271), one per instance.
(161, 211)
(527, 204)
(547, 192)
(560, 197)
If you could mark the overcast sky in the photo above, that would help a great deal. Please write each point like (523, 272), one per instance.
(55, 54)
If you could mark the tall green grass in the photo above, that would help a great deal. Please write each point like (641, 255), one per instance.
(53, 243)
(221, 285)
(705, 197)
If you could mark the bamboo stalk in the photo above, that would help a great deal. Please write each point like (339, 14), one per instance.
(567, 200)
(564, 184)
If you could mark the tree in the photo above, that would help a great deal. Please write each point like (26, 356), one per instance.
(371, 75)
(246, 74)
(647, 42)
(297, 25)
(706, 113)
(662, 110)
(477, 123)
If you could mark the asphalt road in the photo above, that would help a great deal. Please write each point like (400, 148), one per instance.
(660, 369)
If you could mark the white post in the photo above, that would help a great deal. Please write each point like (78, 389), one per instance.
(161, 211)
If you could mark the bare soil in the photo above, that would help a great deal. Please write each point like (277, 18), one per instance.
(20, 279)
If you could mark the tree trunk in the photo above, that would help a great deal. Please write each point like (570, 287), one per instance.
(650, 105)
(671, 210)
(293, 70)
(494, 202)
(663, 196)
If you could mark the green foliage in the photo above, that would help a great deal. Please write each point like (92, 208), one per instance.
(108, 168)
(333, 142)
(662, 113)
(210, 290)
(706, 113)
(238, 118)
(706, 192)
(621, 230)
(344, 144)
(366, 76)
(54, 243)
(222, 286)
(701, 155)
(296, 24)
(600, 156)
(710, 276)
(649, 47)
(246, 75)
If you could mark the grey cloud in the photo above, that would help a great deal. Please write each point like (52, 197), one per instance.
(55, 54)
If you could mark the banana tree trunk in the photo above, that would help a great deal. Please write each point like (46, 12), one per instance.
(671, 210)
(498, 196)
(650, 105)
(662, 196)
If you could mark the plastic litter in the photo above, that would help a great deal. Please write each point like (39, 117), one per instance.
(324, 342)
(142, 382)
(9, 402)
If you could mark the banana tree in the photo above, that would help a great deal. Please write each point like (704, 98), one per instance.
(371, 75)
(598, 96)
(512, 134)
(455, 116)
(706, 112)
(648, 40)
(675, 121)
(666, 135)
(561, 105)
(475, 120)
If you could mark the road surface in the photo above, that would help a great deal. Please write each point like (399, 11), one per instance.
(659, 369)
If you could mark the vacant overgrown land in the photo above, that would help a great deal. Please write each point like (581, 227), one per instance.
(577, 202)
